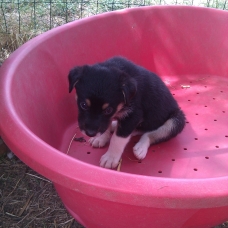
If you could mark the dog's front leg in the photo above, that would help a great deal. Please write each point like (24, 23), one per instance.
(102, 140)
(119, 140)
(117, 145)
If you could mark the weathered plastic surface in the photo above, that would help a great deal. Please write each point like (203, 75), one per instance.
(181, 183)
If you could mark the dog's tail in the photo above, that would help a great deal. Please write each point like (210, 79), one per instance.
(173, 126)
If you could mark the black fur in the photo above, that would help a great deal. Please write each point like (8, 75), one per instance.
(146, 101)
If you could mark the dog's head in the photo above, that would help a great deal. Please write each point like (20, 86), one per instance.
(101, 93)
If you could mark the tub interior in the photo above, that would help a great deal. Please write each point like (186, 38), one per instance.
(192, 61)
(200, 151)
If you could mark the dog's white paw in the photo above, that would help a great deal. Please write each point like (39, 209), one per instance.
(100, 141)
(109, 160)
(140, 150)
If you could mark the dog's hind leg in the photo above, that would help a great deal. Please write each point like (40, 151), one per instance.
(169, 129)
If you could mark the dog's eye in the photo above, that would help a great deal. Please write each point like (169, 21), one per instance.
(84, 106)
(108, 111)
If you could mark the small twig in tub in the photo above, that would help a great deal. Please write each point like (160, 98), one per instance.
(70, 143)
(80, 139)
(167, 82)
(185, 86)
(119, 165)
(134, 160)
(201, 79)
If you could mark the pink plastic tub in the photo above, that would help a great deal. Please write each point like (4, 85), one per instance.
(182, 182)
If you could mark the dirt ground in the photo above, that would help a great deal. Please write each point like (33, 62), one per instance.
(28, 200)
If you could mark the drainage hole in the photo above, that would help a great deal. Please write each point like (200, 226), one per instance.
(217, 146)
(173, 94)
(88, 152)
(197, 93)
(215, 120)
(223, 111)
(185, 148)
(197, 114)
(205, 86)
(187, 122)
(195, 169)
(173, 160)
(221, 91)
(196, 138)
(139, 161)
(207, 157)
(205, 106)
(205, 129)
(213, 98)
(189, 100)
(159, 171)
(226, 136)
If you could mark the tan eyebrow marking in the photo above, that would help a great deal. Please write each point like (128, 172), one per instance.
(119, 107)
(88, 102)
(105, 105)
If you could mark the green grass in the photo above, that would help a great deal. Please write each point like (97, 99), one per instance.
(30, 16)
(21, 20)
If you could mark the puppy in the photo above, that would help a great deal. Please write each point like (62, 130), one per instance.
(136, 98)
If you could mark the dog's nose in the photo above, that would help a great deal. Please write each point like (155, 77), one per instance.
(91, 133)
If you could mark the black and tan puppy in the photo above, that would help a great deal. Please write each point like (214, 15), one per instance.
(136, 98)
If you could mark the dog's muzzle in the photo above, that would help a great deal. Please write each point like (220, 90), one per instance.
(91, 133)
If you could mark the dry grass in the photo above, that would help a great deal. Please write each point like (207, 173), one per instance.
(10, 42)
(29, 200)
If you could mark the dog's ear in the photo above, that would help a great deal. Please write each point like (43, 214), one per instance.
(74, 76)
(129, 87)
